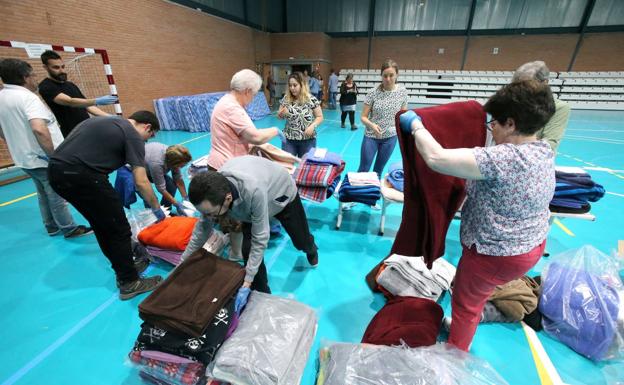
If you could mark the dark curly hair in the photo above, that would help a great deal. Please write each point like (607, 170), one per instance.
(529, 103)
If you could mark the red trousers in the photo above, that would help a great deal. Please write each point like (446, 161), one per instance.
(476, 278)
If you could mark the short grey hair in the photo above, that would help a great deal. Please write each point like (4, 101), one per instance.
(535, 70)
(246, 80)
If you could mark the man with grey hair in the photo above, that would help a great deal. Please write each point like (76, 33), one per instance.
(553, 131)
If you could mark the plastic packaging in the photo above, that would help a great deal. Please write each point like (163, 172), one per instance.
(441, 364)
(270, 345)
(141, 218)
(582, 303)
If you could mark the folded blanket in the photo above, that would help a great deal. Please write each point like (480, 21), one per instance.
(172, 256)
(413, 321)
(396, 177)
(363, 178)
(270, 345)
(409, 277)
(368, 194)
(202, 348)
(319, 193)
(192, 295)
(173, 233)
(172, 373)
(313, 174)
(322, 156)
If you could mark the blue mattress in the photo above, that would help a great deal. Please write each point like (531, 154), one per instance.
(192, 113)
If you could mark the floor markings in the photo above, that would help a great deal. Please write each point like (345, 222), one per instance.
(562, 226)
(545, 369)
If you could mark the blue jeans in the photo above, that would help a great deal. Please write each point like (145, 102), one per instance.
(298, 147)
(332, 100)
(381, 147)
(54, 211)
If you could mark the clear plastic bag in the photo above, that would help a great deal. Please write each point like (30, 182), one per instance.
(440, 364)
(271, 344)
(582, 303)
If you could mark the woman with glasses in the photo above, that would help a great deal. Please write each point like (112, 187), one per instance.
(509, 186)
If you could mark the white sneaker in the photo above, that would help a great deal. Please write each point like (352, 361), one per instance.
(446, 323)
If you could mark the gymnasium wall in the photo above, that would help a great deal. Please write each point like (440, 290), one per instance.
(599, 52)
(156, 48)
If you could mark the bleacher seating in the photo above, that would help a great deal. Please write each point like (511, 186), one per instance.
(582, 90)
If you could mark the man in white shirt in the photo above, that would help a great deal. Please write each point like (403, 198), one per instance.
(32, 133)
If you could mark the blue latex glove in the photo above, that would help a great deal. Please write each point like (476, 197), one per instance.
(281, 135)
(406, 119)
(180, 209)
(160, 215)
(105, 100)
(241, 299)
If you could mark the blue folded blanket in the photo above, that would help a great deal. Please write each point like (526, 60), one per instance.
(396, 177)
(328, 158)
(368, 194)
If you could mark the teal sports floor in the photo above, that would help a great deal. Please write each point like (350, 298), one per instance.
(61, 322)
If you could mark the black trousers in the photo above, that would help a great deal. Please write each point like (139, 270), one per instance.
(93, 196)
(293, 219)
(343, 117)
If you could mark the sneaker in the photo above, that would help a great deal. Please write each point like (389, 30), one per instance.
(313, 258)
(376, 207)
(342, 125)
(141, 264)
(79, 231)
(55, 232)
(446, 324)
(141, 285)
(353, 127)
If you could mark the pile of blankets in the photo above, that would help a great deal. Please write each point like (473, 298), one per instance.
(167, 239)
(574, 190)
(409, 277)
(187, 318)
(396, 176)
(318, 174)
(192, 113)
(270, 345)
(360, 187)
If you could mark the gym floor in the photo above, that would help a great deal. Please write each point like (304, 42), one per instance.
(63, 323)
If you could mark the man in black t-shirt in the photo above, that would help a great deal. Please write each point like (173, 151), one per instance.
(64, 98)
(78, 171)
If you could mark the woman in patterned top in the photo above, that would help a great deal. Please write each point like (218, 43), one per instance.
(505, 217)
(303, 115)
(380, 108)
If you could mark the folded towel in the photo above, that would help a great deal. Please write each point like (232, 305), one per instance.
(396, 177)
(321, 155)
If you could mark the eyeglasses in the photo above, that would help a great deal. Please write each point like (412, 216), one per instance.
(218, 214)
(488, 124)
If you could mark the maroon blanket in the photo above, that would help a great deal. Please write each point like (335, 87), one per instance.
(415, 321)
(431, 199)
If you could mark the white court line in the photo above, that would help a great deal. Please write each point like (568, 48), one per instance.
(594, 139)
(21, 372)
(616, 194)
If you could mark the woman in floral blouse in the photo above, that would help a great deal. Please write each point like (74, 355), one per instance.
(303, 115)
(509, 186)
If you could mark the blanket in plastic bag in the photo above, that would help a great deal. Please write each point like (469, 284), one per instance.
(270, 345)
(582, 303)
(441, 364)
